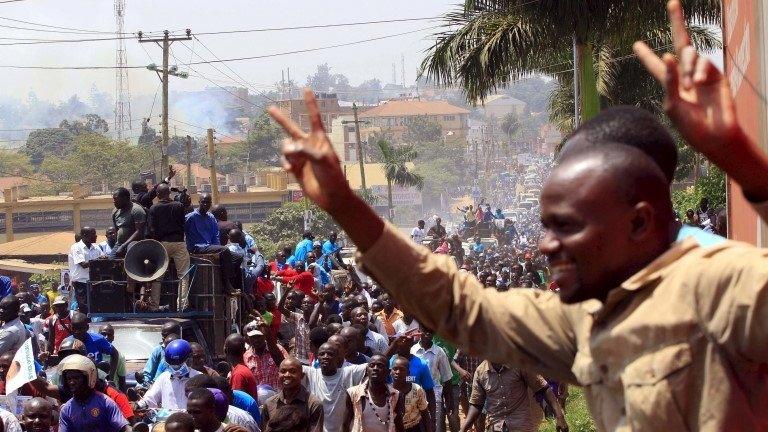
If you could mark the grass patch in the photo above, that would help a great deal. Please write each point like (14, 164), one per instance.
(576, 414)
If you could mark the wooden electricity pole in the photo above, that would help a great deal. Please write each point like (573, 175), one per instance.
(164, 73)
(212, 157)
(360, 157)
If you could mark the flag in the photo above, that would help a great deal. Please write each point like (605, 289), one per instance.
(22, 368)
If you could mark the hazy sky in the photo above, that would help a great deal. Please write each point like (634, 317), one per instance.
(358, 62)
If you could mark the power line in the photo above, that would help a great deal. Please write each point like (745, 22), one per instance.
(56, 27)
(10, 1)
(317, 26)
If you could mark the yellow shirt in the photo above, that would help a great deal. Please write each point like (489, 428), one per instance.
(679, 346)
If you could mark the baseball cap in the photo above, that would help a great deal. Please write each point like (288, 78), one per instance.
(252, 329)
(59, 300)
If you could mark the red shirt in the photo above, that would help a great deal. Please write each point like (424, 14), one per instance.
(242, 379)
(121, 400)
(287, 270)
(61, 329)
(304, 282)
(264, 286)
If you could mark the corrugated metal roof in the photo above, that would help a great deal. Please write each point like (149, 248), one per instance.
(395, 108)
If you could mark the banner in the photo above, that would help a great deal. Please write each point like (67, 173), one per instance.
(22, 368)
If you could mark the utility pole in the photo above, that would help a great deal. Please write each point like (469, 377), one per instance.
(212, 157)
(189, 161)
(122, 91)
(163, 74)
(359, 144)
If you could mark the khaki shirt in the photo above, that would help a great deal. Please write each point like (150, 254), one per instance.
(506, 396)
(679, 346)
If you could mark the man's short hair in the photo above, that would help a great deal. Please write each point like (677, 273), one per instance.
(631, 126)
(183, 419)
(122, 193)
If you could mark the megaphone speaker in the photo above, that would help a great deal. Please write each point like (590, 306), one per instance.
(146, 260)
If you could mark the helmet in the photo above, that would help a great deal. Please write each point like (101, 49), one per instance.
(177, 352)
(71, 345)
(82, 364)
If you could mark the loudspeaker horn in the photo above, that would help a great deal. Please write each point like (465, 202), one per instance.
(146, 260)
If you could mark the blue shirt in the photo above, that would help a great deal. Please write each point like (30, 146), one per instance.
(300, 254)
(478, 247)
(98, 413)
(246, 402)
(418, 372)
(96, 345)
(5, 286)
(156, 364)
(201, 230)
(704, 238)
(329, 249)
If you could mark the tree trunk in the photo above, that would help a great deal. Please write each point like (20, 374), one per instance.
(586, 99)
(389, 200)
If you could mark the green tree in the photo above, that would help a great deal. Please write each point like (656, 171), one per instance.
(489, 44)
(15, 163)
(95, 160)
(262, 145)
(711, 186)
(420, 130)
(41, 143)
(90, 123)
(284, 226)
(395, 161)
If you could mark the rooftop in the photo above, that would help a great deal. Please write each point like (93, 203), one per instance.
(395, 108)
(374, 174)
(57, 243)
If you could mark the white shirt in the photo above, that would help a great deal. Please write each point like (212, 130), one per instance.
(105, 247)
(401, 327)
(332, 391)
(167, 392)
(376, 342)
(80, 253)
(437, 359)
(418, 234)
(240, 417)
(12, 336)
(10, 424)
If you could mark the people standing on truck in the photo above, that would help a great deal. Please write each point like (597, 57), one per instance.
(168, 390)
(108, 244)
(80, 256)
(156, 357)
(166, 225)
(129, 220)
(202, 236)
(225, 225)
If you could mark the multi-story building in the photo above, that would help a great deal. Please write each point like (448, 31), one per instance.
(296, 109)
(394, 116)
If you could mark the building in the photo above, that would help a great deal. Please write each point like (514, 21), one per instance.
(376, 181)
(20, 218)
(394, 116)
(745, 57)
(329, 110)
(498, 106)
(200, 174)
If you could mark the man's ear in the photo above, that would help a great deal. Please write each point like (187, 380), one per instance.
(643, 219)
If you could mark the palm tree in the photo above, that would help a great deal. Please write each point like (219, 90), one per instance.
(395, 161)
(489, 44)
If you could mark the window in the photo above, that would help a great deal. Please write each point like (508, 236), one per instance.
(449, 118)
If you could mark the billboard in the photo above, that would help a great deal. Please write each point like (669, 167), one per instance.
(401, 196)
(745, 55)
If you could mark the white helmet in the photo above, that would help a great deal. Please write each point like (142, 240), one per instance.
(82, 364)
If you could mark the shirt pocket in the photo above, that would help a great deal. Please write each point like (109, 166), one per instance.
(656, 387)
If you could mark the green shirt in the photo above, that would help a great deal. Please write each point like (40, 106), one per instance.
(125, 222)
(450, 351)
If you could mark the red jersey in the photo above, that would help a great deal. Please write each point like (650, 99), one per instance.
(304, 282)
(243, 379)
(121, 400)
(62, 329)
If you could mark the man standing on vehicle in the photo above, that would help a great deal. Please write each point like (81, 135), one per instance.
(128, 219)
(166, 225)
(202, 236)
(80, 256)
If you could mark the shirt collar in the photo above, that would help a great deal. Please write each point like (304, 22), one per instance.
(643, 278)
(302, 395)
